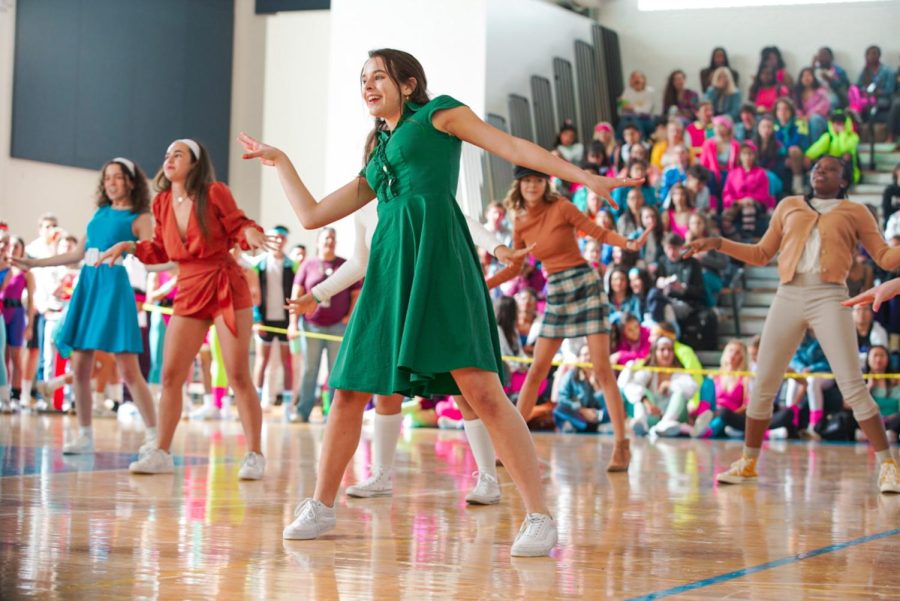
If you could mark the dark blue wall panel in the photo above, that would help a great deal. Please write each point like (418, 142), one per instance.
(99, 78)
(274, 6)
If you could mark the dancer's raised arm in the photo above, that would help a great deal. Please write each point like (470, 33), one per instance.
(312, 214)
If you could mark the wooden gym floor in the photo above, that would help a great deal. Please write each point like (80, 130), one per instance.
(83, 528)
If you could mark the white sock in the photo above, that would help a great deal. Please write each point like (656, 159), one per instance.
(115, 392)
(384, 441)
(208, 400)
(98, 399)
(4, 393)
(751, 452)
(56, 383)
(86, 431)
(481, 445)
(26, 391)
(884, 455)
(151, 433)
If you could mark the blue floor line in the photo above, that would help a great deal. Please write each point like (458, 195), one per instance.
(676, 590)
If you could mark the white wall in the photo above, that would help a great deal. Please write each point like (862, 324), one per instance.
(658, 42)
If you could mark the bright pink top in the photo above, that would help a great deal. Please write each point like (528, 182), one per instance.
(766, 97)
(631, 351)
(681, 230)
(730, 399)
(709, 157)
(747, 184)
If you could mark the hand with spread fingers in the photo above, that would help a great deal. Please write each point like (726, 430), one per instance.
(506, 255)
(875, 296)
(304, 305)
(255, 149)
(257, 240)
(114, 252)
(603, 186)
(700, 245)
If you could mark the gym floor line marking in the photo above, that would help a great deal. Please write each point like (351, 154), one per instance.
(676, 590)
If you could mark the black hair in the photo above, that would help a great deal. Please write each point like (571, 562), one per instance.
(768, 51)
(631, 125)
(698, 172)
(747, 107)
(566, 126)
(505, 311)
(846, 174)
(712, 56)
(673, 239)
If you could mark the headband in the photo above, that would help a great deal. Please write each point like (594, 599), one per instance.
(195, 148)
(125, 163)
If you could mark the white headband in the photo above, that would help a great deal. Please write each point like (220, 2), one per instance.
(195, 148)
(125, 163)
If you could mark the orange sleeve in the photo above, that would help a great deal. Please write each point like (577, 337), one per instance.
(233, 219)
(763, 251)
(152, 251)
(511, 270)
(581, 221)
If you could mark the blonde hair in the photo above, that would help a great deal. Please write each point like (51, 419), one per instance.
(515, 202)
(744, 355)
(730, 88)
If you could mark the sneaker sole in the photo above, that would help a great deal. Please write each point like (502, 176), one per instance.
(534, 552)
(286, 536)
(253, 477)
(369, 495)
(90, 452)
(734, 479)
(482, 501)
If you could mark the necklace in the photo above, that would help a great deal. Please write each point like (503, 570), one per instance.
(180, 199)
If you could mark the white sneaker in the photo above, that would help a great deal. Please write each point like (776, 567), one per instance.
(253, 467)
(205, 412)
(379, 484)
(156, 461)
(889, 477)
(150, 444)
(446, 423)
(312, 519)
(536, 537)
(778, 433)
(701, 424)
(80, 446)
(101, 410)
(666, 428)
(486, 491)
(733, 432)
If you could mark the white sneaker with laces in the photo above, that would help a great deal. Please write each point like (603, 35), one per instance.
(889, 477)
(537, 536)
(379, 484)
(486, 491)
(312, 519)
(150, 443)
(82, 445)
(253, 467)
(205, 412)
(156, 461)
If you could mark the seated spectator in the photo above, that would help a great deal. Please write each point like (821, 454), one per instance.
(793, 136)
(718, 59)
(621, 259)
(663, 154)
(700, 130)
(680, 279)
(651, 173)
(606, 220)
(723, 94)
(886, 392)
(839, 141)
(631, 136)
(809, 358)
(604, 133)
(636, 104)
(877, 80)
(619, 296)
(633, 340)
(892, 227)
(869, 333)
(746, 198)
(506, 311)
(639, 283)
(591, 254)
(652, 250)
(659, 400)
(596, 158)
(745, 128)
(637, 169)
(684, 353)
(832, 76)
(567, 145)
(771, 155)
(890, 199)
(862, 272)
(812, 102)
(766, 90)
(630, 220)
(717, 266)
(676, 173)
(495, 222)
(527, 322)
(696, 183)
(680, 208)
(770, 57)
(579, 402)
(531, 277)
(679, 101)
(720, 154)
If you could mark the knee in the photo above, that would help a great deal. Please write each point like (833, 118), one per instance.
(239, 379)
(760, 409)
(131, 374)
(350, 401)
(171, 376)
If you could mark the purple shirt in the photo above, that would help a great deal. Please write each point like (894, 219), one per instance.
(312, 272)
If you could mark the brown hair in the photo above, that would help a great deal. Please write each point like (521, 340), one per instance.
(140, 188)
(201, 175)
(515, 202)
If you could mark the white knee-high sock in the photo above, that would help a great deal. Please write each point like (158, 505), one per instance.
(26, 391)
(115, 392)
(384, 440)
(482, 447)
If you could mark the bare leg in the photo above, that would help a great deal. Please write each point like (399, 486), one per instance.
(235, 351)
(261, 362)
(388, 405)
(130, 369)
(286, 367)
(82, 367)
(598, 345)
(183, 339)
(509, 434)
(544, 351)
(465, 408)
(340, 442)
(206, 368)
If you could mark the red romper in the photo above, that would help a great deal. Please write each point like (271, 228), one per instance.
(210, 282)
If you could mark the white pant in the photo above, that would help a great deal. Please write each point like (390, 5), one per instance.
(807, 302)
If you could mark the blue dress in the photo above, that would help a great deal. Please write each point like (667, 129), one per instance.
(102, 314)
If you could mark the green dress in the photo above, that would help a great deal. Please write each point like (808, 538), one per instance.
(424, 309)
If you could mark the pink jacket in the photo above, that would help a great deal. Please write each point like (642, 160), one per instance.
(630, 351)
(743, 184)
(709, 157)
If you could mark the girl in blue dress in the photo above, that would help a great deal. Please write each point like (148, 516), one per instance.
(102, 314)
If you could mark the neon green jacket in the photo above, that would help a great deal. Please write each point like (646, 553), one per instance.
(837, 145)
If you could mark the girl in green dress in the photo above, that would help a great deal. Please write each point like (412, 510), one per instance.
(424, 322)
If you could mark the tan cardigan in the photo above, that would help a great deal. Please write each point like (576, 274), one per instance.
(840, 229)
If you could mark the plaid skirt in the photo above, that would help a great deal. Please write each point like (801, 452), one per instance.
(576, 304)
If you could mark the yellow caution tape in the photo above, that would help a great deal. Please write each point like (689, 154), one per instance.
(528, 360)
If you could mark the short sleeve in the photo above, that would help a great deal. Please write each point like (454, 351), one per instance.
(439, 103)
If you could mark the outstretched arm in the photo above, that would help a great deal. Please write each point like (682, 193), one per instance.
(876, 296)
(465, 125)
(312, 214)
(68, 258)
